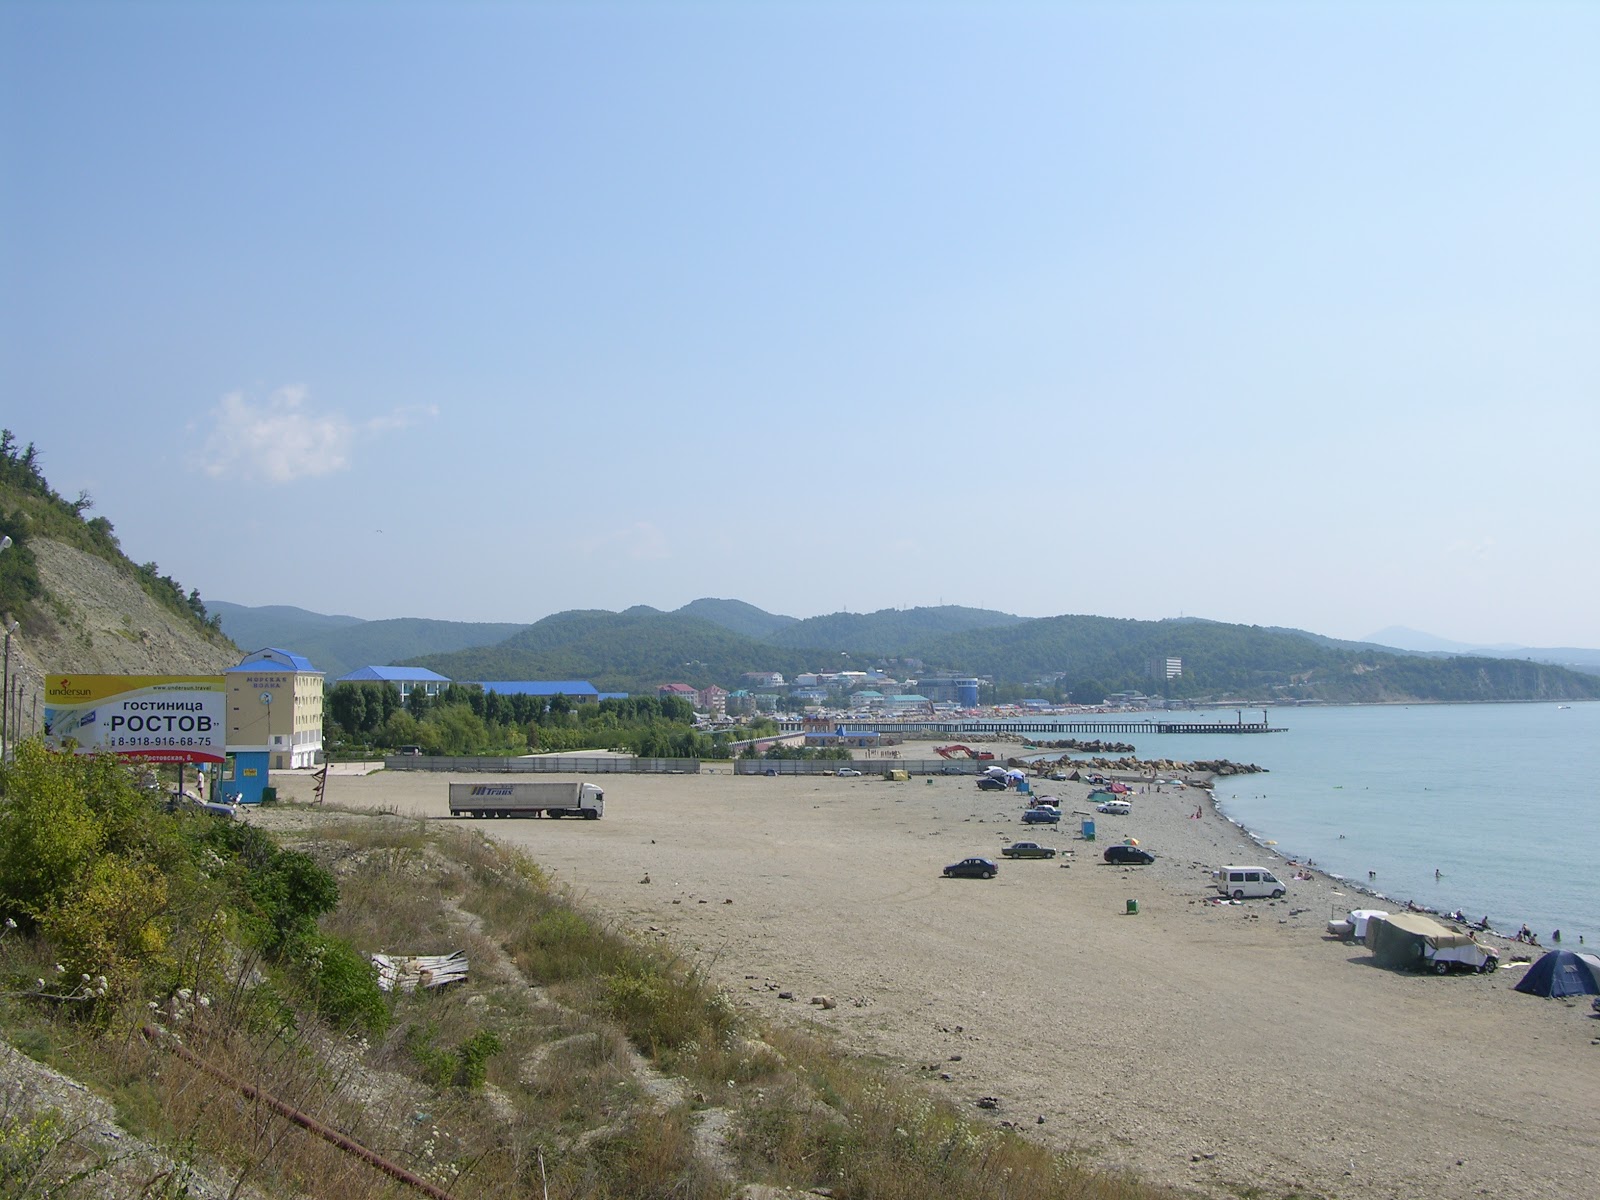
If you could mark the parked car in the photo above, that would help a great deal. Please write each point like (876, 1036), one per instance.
(972, 868)
(1042, 816)
(1128, 856)
(1058, 776)
(988, 783)
(848, 771)
(951, 769)
(1028, 850)
(1116, 808)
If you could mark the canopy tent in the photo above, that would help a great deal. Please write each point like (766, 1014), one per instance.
(1562, 973)
(1399, 939)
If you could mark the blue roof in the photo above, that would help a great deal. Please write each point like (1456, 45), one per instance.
(272, 656)
(539, 687)
(392, 675)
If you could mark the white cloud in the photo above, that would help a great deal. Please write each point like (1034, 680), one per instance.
(283, 438)
(642, 541)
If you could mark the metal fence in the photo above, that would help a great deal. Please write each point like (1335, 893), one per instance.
(867, 766)
(547, 764)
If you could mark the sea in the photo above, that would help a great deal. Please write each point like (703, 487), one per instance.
(1493, 809)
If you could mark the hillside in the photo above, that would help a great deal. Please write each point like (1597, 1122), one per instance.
(737, 617)
(339, 645)
(889, 631)
(80, 604)
(93, 619)
(628, 651)
(275, 624)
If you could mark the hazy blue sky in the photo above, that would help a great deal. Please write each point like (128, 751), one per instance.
(1280, 313)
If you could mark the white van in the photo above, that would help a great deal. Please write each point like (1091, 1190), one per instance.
(1248, 883)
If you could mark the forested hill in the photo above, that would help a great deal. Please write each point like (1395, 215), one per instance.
(737, 617)
(1106, 654)
(338, 645)
(627, 651)
(1085, 657)
(889, 631)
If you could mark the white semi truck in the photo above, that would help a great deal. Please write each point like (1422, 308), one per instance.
(545, 798)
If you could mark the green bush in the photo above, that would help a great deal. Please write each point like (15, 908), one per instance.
(111, 923)
(49, 836)
(345, 987)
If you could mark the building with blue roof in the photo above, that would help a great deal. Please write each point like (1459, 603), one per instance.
(580, 690)
(405, 678)
(274, 700)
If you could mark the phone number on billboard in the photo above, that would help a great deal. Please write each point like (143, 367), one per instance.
(132, 743)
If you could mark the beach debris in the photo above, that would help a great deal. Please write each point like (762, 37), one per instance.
(824, 1001)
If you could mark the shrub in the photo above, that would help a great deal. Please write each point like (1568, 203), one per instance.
(48, 834)
(111, 922)
(345, 987)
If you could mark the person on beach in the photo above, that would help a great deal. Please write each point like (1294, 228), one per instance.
(1556, 937)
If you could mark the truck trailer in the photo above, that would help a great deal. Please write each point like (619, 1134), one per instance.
(546, 798)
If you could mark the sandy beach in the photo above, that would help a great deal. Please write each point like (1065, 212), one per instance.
(1213, 1047)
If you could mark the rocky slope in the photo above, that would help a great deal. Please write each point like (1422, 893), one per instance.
(94, 619)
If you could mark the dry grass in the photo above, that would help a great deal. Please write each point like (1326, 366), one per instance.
(527, 1077)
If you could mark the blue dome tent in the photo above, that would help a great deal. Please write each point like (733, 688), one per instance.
(1563, 973)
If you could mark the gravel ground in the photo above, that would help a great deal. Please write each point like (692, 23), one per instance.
(1218, 1047)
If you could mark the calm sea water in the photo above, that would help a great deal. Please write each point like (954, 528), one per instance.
(1503, 800)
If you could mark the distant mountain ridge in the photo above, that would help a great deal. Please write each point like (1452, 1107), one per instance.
(719, 640)
(1400, 638)
(337, 645)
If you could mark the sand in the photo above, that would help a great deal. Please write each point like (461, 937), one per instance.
(1218, 1048)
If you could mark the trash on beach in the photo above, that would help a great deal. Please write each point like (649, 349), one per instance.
(406, 973)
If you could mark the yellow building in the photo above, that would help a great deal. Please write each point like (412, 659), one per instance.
(275, 707)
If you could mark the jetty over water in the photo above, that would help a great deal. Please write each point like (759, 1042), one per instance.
(1056, 729)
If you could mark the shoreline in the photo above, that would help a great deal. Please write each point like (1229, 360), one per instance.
(1206, 1046)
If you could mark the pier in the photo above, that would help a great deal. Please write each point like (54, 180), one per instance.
(1055, 728)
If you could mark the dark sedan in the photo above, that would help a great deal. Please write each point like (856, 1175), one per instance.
(1130, 856)
(989, 783)
(1028, 850)
(972, 868)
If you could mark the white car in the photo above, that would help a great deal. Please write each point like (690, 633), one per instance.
(1116, 808)
(848, 771)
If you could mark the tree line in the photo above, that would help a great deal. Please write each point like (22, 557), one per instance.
(467, 719)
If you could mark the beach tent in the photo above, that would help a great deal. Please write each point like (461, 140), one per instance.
(1562, 973)
(1403, 939)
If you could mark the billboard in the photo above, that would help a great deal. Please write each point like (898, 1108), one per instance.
(169, 718)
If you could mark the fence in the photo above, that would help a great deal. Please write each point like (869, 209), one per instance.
(547, 764)
(867, 766)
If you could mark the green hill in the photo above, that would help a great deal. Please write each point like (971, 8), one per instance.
(627, 651)
(1229, 660)
(338, 645)
(889, 631)
(280, 625)
(737, 617)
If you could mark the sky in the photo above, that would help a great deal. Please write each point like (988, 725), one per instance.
(1280, 314)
